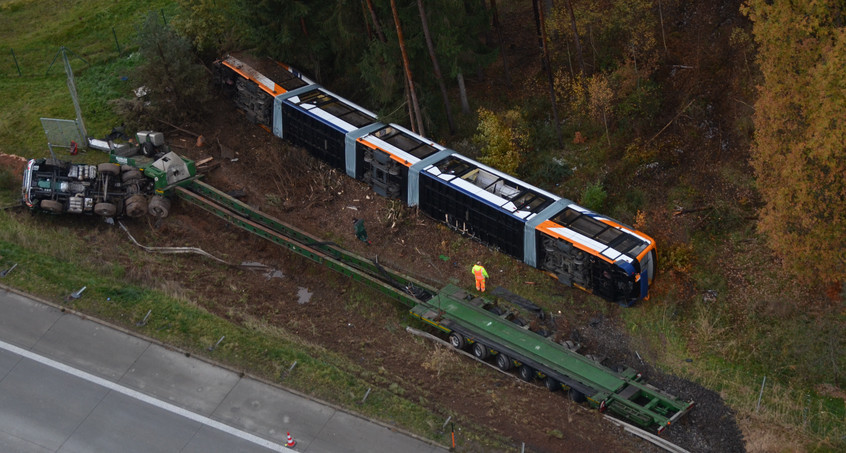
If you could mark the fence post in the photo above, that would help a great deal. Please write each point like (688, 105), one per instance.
(16, 63)
(117, 44)
(760, 394)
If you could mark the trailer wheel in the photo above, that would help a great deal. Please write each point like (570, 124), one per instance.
(457, 340)
(131, 175)
(136, 205)
(576, 396)
(480, 351)
(527, 373)
(551, 384)
(105, 209)
(504, 362)
(52, 206)
(159, 207)
(108, 168)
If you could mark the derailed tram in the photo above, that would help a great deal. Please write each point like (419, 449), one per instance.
(577, 246)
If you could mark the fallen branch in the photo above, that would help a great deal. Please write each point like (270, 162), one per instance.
(681, 211)
(671, 121)
(178, 128)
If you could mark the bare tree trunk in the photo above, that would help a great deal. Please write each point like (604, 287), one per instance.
(498, 28)
(661, 16)
(366, 22)
(579, 58)
(435, 65)
(537, 24)
(407, 67)
(376, 23)
(548, 72)
(462, 93)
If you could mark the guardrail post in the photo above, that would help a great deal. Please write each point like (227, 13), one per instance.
(760, 394)
(16, 62)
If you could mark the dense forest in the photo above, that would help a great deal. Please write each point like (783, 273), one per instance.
(602, 69)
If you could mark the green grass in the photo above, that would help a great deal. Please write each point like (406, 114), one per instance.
(88, 29)
(53, 261)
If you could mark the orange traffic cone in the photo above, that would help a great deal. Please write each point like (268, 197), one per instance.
(291, 441)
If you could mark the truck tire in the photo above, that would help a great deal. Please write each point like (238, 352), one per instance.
(504, 362)
(136, 205)
(576, 396)
(52, 206)
(527, 373)
(159, 207)
(105, 209)
(457, 340)
(480, 351)
(131, 175)
(551, 384)
(108, 168)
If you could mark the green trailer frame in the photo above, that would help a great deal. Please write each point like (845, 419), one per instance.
(620, 392)
(454, 312)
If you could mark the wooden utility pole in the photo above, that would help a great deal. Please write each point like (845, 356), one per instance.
(498, 27)
(405, 63)
(579, 58)
(436, 67)
(545, 49)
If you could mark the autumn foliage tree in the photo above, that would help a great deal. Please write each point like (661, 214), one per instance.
(502, 139)
(798, 152)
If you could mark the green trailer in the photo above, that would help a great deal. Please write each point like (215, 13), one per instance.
(470, 323)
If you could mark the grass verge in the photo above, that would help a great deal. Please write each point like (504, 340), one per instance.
(54, 260)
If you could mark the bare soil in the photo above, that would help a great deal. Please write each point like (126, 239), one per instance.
(286, 183)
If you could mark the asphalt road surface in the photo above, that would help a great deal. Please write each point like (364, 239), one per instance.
(69, 384)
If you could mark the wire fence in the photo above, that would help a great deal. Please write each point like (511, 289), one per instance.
(39, 61)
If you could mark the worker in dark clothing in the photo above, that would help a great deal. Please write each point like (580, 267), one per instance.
(360, 232)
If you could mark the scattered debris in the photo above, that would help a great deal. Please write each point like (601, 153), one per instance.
(143, 322)
(172, 249)
(303, 295)
(212, 348)
(76, 295)
(6, 272)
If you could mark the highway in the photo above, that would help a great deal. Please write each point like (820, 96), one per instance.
(72, 384)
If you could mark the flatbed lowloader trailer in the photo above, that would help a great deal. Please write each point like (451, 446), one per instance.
(468, 321)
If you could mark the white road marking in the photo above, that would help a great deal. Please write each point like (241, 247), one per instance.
(142, 397)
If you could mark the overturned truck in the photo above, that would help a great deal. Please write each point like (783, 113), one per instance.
(133, 184)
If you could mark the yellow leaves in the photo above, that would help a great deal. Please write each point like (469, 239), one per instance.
(502, 139)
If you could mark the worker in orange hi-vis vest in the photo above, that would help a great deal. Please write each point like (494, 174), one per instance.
(481, 274)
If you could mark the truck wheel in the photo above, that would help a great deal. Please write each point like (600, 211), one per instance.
(52, 206)
(131, 175)
(527, 373)
(105, 209)
(108, 168)
(457, 340)
(551, 384)
(159, 207)
(504, 362)
(480, 351)
(576, 396)
(136, 205)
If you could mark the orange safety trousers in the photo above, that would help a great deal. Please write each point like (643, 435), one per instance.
(480, 278)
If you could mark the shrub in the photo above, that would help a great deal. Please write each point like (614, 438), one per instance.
(594, 197)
